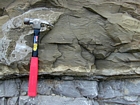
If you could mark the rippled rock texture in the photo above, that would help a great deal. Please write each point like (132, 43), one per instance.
(90, 37)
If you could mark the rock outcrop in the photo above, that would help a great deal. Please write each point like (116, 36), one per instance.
(90, 57)
(97, 37)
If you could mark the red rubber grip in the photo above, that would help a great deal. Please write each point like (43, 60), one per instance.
(33, 76)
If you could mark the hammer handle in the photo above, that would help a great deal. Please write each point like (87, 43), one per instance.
(33, 76)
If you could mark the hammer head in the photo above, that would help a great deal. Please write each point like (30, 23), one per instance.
(37, 23)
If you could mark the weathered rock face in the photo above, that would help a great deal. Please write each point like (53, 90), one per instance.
(99, 37)
(71, 92)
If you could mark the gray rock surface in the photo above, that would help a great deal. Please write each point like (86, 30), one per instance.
(119, 88)
(77, 89)
(88, 89)
(9, 88)
(12, 101)
(67, 88)
(73, 92)
(2, 101)
(73, 88)
(53, 100)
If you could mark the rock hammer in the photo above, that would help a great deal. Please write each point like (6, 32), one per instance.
(33, 75)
